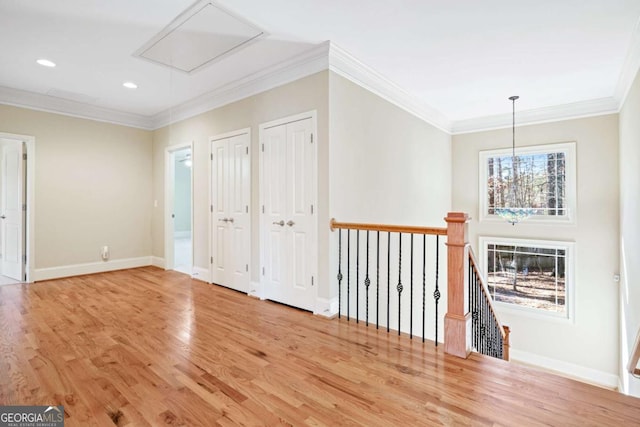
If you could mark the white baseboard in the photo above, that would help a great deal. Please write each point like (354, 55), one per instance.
(156, 261)
(255, 290)
(90, 268)
(326, 307)
(567, 369)
(199, 273)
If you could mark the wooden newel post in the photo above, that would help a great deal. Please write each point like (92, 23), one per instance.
(457, 321)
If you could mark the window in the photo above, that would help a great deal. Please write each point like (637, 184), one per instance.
(531, 275)
(545, 177)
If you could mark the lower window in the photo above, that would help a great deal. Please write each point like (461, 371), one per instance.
(529, 274)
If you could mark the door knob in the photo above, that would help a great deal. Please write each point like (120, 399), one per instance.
(3, 217)
(230, 220)
(290, 223)
(223, 219)
(280, 223)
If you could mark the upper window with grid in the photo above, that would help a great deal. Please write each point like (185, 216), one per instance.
(539, 177)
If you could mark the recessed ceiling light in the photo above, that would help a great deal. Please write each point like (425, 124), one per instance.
(46, 63)
(130, 85)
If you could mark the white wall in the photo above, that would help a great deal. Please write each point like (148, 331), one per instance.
(630, 231)
(386, 166)
(587, 348)
(92, 188)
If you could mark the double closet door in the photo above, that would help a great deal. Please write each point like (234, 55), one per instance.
(231, 221)
(288, 211)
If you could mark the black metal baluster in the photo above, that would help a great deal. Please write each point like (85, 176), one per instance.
(399, 287)
(357, 276)
(388, 276)
(411, 290)
(339, 273)
(486, 324)
(348, 273)
(482, 326)
(476, 308)
(424, 281)
(377, 278)
(367, 282)
(472, 305)
(436, 293)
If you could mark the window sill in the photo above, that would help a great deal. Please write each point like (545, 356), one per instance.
(532, 313)
(537, 220)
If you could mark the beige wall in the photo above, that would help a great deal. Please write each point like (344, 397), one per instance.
(630, 230)
(92, 187)
(386, 166)
(590, 344)
(303, 95)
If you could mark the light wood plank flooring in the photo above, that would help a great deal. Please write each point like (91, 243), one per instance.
(149, 347)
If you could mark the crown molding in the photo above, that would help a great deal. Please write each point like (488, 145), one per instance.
(556, 113)
(325, 56)
(300, 66)
(346, 65)
(52, 104)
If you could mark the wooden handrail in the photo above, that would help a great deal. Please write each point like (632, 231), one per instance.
(440, 231)
(504, 330)
(635, 358)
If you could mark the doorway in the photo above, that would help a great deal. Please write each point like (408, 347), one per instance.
(13, 209)
(230, 210)
(179, 208)
(288, 210)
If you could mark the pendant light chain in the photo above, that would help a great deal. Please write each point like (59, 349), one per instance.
(514, 213)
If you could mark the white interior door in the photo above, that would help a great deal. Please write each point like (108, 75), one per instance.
(12, 211)
(288, 161)
(231, 222)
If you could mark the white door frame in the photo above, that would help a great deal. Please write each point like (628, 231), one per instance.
(212, 224)
(262, 292)
(169, 195)
(30, 151)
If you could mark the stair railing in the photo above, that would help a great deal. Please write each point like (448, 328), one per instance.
(488, 335)
(470, 323)
(378, 265)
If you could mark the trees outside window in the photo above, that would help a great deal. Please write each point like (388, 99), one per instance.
(529, 274)
(540, 177)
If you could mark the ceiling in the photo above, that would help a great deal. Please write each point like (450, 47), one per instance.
(457, 60)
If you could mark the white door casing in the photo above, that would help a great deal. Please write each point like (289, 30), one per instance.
(288, 199)
(13, 214)
(230, 212)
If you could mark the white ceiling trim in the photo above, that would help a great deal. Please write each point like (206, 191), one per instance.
(344, 64)
(300, 66)
(576, 110)
(52, 104)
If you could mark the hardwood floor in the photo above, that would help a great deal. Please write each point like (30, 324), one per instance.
(149, 347)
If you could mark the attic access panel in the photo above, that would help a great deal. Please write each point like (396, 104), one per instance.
(202, 34)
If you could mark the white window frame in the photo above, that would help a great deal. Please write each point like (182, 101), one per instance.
(518, 310)
(569, 148)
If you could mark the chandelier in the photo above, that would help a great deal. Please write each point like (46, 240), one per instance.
(511, 212)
